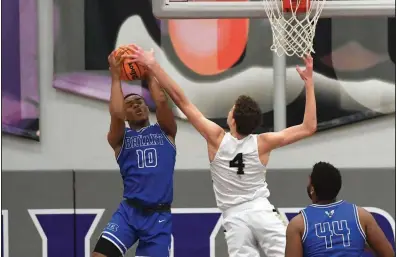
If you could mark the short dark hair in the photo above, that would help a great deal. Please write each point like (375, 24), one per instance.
(326, 181)
(131, 94)
(247, 114)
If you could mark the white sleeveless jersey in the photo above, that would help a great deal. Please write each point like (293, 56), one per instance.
(230, 187)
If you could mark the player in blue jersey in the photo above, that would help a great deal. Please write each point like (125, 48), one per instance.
(333, 228)
(146, 156)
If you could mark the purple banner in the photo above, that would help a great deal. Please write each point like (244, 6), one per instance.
(19, 83)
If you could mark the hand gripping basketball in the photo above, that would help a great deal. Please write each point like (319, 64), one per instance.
(145, 58)
(127, 68)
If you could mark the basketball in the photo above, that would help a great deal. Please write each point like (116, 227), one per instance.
(129, 70)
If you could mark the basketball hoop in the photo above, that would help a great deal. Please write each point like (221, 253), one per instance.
(293, 25)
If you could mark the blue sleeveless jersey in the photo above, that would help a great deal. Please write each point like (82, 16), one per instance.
(332, 230)
(147, 161)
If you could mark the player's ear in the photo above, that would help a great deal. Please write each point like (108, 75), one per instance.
(233, 122)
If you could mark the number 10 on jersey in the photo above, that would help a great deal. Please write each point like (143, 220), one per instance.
(147, 158)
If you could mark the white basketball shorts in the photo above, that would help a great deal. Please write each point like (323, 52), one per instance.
(252, 226)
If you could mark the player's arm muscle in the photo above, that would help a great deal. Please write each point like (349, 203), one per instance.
(208, 129)
(295, 133)
(164, 114)
(376, 239)
(116, 110)
(295, 228)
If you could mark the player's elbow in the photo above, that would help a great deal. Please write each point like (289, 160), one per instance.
(310, 128)
(386, 251)
(383, 253)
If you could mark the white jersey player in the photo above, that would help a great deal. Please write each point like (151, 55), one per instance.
(238, 161)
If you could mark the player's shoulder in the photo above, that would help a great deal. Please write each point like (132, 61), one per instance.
(156, 126)
(270, 140)
(269, 135)
(296, 224)
(363, 214)
(227, 138)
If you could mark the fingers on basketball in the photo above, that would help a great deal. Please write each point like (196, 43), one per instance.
(134, 47)
(125, 56)
(112, 56)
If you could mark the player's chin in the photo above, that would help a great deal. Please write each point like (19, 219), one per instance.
(143, 116)
(141, 119)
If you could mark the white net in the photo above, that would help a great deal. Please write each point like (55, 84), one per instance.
(293, 32)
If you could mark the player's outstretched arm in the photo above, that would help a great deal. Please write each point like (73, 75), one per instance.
(376, 239)
(295, 231)
(116, 104)
(164, 114)
(309, 124)
(208, 129)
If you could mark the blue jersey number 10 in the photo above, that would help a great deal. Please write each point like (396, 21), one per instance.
(147, 158)
(328, 231)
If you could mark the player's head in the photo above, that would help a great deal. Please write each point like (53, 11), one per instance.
(136, 110)
(325, 183)
(245, 116)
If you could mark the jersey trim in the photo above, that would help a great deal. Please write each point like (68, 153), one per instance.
(327, 205)
(122, 144)
(257, 150)
(142, 129)
(358, 222)
(166, 137)
(125, 133)
(219, 147)
(305, 221)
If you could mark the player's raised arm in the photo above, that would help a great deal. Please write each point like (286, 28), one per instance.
(208, 129)
(309, 124)
(164, 114)
(376, 239)
(116, 104)
(295, 231)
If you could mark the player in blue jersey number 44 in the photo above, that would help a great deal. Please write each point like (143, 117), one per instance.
(146, 156)
(333, 228)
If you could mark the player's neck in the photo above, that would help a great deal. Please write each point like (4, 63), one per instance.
(324, 202)
(138, 126)
(236, 135)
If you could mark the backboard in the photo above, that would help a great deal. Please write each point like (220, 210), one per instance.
(208, 9)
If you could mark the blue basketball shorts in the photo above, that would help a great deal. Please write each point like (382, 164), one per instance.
(129, 224)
